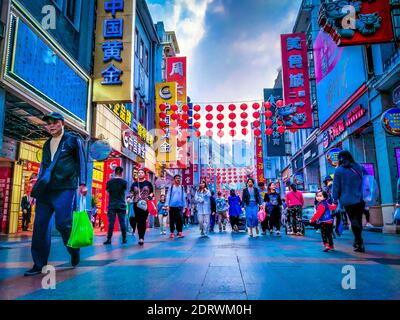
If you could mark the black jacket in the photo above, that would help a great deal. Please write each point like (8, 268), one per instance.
(25, 204)
(246, 196)
(213, 204)
(70, 170)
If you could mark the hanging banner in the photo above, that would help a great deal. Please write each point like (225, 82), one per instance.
(176, 72)
(259, 160)
(276, 142)
(352, 23)
(113, 58)
(297, 113)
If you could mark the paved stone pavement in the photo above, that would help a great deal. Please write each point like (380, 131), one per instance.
(225, 267)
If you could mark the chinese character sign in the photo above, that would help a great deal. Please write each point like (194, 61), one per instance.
(113, 52)
(259, 160)
(296, 83)
(176, 72)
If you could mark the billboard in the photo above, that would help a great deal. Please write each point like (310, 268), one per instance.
(340, 72)
(297, 111)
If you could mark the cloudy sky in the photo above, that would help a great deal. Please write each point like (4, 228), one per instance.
(233, 46)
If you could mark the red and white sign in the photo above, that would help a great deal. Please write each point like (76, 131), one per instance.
(296, 81)
(176, 72)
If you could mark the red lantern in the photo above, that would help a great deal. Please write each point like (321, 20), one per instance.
(232, 133)
(163, 124)
(268, 114)
(184, 125)
(267, 105)
(279, 122)
(245, 131)
(279, 103)
(244, 115)
(220, 133)
(197, 125)
(232, 124)
(163, 115)
(256, 106)
(268, 123)
(197, 108)
(162, 107)
(256, 124)
(269, 132)
(281, 129)
(244, 123)
(232, 107)
(209, 117)
(185, 108)
(220, 126)
(197, 134)
(209, 133)
(220, 108)
(175, 116)
(256, 115)
(174, 108)
(209, 108)
(257, 132)
(209, 125)
(220, 117)
(196, 116)
(232, 116)
(243, 106)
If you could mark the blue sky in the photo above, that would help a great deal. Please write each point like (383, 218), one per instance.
(233, 46)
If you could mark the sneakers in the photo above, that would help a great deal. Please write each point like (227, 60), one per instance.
(180, 235)
(326, 248)
(141, 242)
(75, 259)
(124, 241)
(299, 234)
(263, 233)
(331, 247)
(278, 233)
(171, 236)
(368, 225)
(360, 248)
(32, 272)
(107, 242)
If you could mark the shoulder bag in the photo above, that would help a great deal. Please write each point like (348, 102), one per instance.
(142, 204)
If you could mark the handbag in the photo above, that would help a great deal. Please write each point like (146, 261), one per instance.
(370, 191)
(40, 187)
(142, 204)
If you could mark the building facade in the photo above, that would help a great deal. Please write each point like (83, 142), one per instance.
(42, 55)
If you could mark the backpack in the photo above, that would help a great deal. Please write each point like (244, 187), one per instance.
(370, 190)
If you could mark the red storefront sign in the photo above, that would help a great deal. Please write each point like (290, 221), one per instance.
(358, 22)
(5, 193)
(176, 72)
(31, 166)
(297, 111)
(259, 160)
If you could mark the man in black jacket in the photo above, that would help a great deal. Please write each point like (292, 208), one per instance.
(26, 206)
(60, 196)
(213, 204)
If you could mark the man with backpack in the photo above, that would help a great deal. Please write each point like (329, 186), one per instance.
(175, 203)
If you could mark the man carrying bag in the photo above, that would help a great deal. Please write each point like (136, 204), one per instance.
(63, 168)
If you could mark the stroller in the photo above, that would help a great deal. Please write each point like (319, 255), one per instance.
(242, 225)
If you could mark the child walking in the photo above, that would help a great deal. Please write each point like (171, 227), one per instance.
(162, 214)
(222, 208)
(324, 218)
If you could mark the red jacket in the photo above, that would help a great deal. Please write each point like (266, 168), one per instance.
(321, 210)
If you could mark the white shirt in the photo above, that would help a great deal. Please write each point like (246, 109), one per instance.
(54, 143)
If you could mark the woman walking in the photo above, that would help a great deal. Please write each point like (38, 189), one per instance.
(162, 214)
(251, 203)
(273, 199)
(347, 189)
(142, 192)
(295, 203)
(202, 199)
(131, 213)
(234, 210)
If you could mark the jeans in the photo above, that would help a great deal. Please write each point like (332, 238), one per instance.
(175, 218)
(151, 221)
(112, 215)
(62, 203)
(26, 219)
(275, 219)
(212, 222)
(163, 222)
(204, 221)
